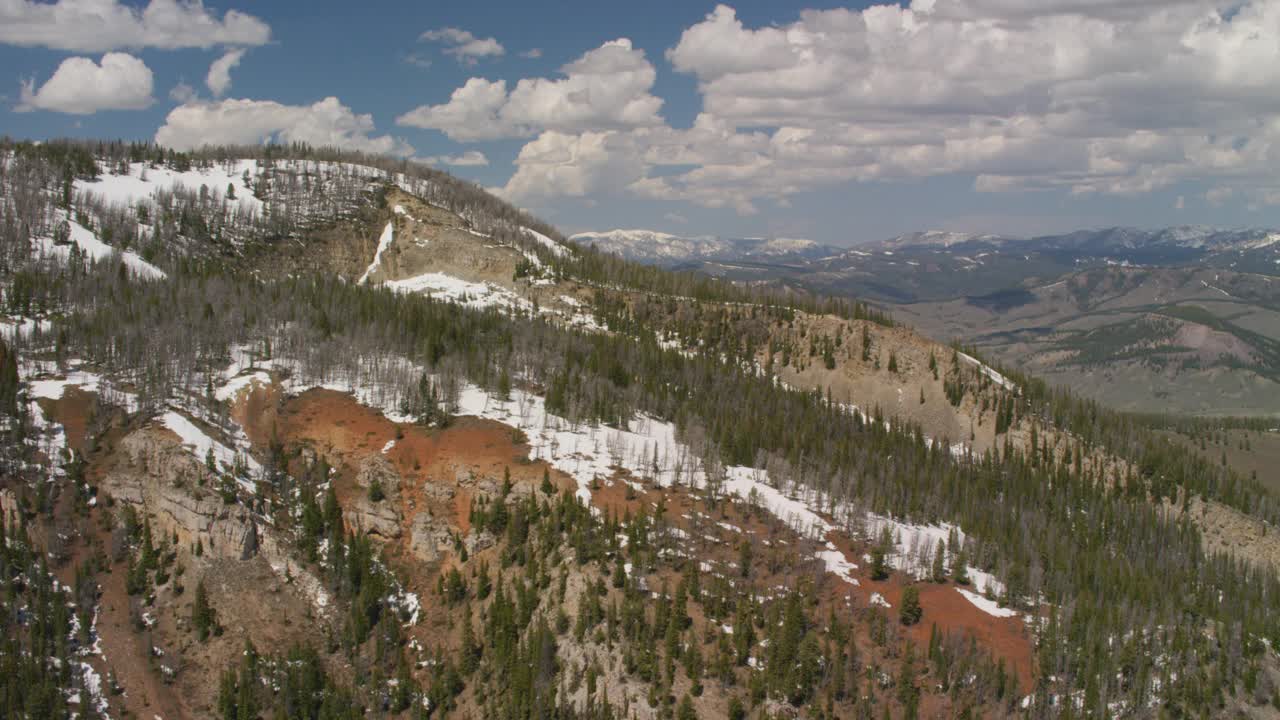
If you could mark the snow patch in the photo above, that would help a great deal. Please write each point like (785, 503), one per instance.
(231, 388)
(546, 242)
(99, 251)
(384, 242)
(200, 445)
(987, 606)
(996, 377)
(463, 292)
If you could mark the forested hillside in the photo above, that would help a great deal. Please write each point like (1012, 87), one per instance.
(242, 480)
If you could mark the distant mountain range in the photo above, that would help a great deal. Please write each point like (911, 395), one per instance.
(1186, 242)
(1184, 318)
(936, 265)
(661, 248)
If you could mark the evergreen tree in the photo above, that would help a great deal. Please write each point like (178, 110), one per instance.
(686, 711)
(909, 610)
(938, 568)
(202, 614)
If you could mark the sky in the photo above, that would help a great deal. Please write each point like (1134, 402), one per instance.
(841, 123)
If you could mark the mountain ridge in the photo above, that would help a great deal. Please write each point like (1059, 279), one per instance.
(666, 248)
(477, 462)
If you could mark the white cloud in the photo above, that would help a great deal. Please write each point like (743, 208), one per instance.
(100, 25)
(237, 121)
(182, 92)
(470, 158)
(471, 113)
(606, 88)
(464, 46)
(417, 61)
(219, 77)
(1082, 96)
(81, 87)
(532, 53)
(675, 218)
(559, 164)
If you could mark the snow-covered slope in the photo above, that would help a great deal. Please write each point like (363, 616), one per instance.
(142, 182)
(98, 251)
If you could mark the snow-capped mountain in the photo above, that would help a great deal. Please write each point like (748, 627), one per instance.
(1099, 241)
(652, 246)
(938, 239)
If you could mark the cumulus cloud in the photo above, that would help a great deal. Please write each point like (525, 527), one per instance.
(81, 86)
(532, 53)
(558, 164)
(182, 92)
(238, 121)
(1083, 96)
(100, 25)
(606, 88)
(467, 48)
(470, 158)
(472, 112)
(219, 77)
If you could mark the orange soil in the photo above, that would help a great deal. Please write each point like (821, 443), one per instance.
(72, 412)
(126, 652)
(944, 606)
(345, 432)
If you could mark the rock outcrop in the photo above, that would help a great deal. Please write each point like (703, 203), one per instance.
(161, 478)
(429, 536)
(377, 517)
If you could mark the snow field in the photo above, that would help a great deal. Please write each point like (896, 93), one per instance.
(99, 251)
(143, 181)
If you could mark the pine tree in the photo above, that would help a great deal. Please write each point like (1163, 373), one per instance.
(938, 571)
(686, 711)
(880, 569)
(908, 692)
(909, 610)
(879, 563)
(470, 650)
(737, 711)
(693, 666)
(202, 615)
(959, 567)
(619, 578)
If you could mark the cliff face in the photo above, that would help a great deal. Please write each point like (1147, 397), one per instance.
(153, 472)
(362, 511)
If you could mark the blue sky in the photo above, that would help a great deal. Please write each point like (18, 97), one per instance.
(832, 122)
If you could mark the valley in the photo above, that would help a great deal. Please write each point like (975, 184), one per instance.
(1182, 320)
